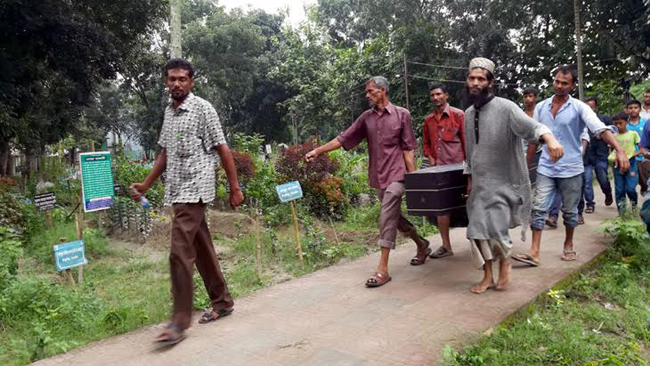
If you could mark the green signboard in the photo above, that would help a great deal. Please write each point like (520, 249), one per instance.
(70, 255)
(289, 191)
(96, 181)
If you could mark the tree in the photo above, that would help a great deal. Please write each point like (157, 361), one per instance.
(233, 53)
(54, 54)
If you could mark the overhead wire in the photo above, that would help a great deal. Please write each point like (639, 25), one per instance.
(440, 66)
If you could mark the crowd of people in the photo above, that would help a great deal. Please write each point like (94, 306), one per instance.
(495, 138)
(565, 138)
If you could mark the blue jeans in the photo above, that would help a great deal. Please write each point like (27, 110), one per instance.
(625, 184)
(547, 190)
(603, 180)
(554, 211)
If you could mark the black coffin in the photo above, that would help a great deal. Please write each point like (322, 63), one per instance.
(438, 190)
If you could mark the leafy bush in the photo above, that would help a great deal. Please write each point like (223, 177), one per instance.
(292, 165)
(323, 193)
(45, 312)
(54, 169)
(40, 244)
(11, 212)
(328, 198)
(631, 240)
(353, 169)
(19, 214)
(10, 252)
(128, 172)
(250, 144)
(245, 166)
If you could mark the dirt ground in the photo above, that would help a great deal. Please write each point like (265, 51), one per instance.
(232, 225)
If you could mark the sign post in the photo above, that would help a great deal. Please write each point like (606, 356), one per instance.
(297, 231)
(290, 192)
(46, 202)
(69, 255)
(258, 242)
(97, 188)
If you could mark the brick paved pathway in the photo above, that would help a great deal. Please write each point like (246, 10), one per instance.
(330, 318)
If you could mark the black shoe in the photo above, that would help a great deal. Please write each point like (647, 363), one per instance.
(609, 199)
(581, 220)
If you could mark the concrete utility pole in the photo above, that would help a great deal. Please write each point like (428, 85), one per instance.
(175, 26)
(578, 34)
(406, 84)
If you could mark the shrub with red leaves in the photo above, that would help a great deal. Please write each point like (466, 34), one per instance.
(245, 169)
(7, 182)
(322, 191)
(292, 165)
(244, 164)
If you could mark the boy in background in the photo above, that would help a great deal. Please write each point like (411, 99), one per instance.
(636, 123)
(625, 183)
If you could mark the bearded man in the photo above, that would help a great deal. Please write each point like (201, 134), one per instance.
(499, 187)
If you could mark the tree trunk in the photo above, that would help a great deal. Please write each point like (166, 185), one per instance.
(11, 164)
(578, 34)
(32, 156)
(176, 49)
(5, 154)
(73, 151)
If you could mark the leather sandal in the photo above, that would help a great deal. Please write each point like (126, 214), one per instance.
(214, 314)
(378, 279)
(420, 257)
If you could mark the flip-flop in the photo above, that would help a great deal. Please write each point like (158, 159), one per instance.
(441, 253)
(526, 258)
(378, 279)
(174, 335)
(569, 255)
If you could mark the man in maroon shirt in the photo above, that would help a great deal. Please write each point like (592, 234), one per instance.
(443, 134)
(391, 143)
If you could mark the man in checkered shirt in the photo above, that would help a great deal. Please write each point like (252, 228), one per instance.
(191, 136)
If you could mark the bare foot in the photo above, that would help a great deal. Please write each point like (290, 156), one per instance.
(504, 275)
(483, 286)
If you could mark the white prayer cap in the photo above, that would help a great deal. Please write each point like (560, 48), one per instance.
(483, 63)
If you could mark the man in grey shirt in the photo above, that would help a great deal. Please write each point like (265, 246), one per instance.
(190, 137)
(499, 187)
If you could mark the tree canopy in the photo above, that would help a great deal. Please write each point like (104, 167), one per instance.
(68, 64)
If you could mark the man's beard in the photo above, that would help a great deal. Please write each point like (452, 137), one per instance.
(179, 96)
(478, 99)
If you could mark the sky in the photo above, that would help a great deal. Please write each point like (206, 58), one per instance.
(296, 7)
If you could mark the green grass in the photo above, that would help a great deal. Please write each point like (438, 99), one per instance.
(602, 317)
(41, 315)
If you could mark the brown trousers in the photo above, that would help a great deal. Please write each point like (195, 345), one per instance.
(192, 243)
(391, 218)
